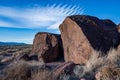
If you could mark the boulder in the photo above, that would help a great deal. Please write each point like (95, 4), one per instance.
(64, 68)
(82, 34)
(6, 59)
(23, 57)
(47, 47)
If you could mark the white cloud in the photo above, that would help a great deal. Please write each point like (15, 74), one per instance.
(5, 24)
(48, 17)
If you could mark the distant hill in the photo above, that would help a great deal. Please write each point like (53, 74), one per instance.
(11, 43)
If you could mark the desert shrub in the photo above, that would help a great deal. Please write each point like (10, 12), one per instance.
(22, 70)
(42, 75)
(64, 77)
(68, 77)
(95, 61)
(2, 52)
(24, 51)
(17, 71)
(113, 57)
(109, 72)
(98, 63)
(78, 70)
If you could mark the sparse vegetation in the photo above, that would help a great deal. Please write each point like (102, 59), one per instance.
(17, 71)
(13, 49)
(100, 67)
(22, 70)
(103, 67)
(97, 68)
(42, 75)
(10, 52)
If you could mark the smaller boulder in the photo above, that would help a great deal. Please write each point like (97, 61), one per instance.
(34, 57)
(23, 57)
(66, 67)
(47, 47)
(7, 59)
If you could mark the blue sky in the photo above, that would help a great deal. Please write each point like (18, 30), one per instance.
(20, 20)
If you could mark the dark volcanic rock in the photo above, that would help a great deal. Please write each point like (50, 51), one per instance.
(23, 57)
(47, 47)
(66, 67)
(81, 35)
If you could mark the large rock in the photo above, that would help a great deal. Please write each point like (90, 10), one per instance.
(82, 34)
(47, 47)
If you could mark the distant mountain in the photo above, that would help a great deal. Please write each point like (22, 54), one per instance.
(11, 43)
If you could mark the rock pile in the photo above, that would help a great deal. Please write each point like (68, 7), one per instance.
(80, 36)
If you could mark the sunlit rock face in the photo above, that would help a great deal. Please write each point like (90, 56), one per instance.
(47, 47)
(82, 34)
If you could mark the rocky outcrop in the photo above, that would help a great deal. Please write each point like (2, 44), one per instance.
(47, 47)
(83, 34)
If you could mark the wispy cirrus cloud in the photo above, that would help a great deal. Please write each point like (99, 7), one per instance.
(37, 17)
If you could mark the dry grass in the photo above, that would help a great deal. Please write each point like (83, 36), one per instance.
(99, 67)
(17, 71)
(14, 49)
(42, 75)
(78, 70)
(114, 57)
(107, 66)
(110, 72)
(94, 62)
(24, 51)
(64, 77)
(26, 71)
(9, 53)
